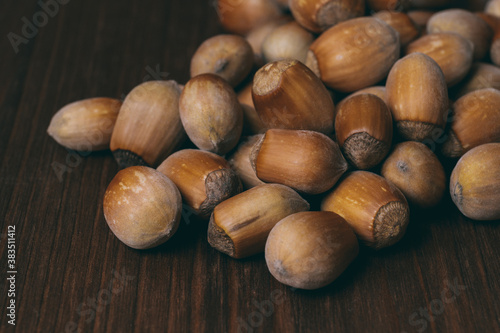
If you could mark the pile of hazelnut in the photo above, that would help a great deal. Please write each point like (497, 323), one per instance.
(349, 103)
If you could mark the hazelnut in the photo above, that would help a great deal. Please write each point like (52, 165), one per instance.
(309, 250)
(417, 96)
(211, 113)
(142, 207)
(375, 208)
(288, 95)
(475, 183)
(467, 25)
(400, 22)
(378, 91)
(148, 127)
(239, 226)
(240, 162)
(476, 121)
(307, 161)
(481, 76)
(288, 41)
(86, 124)
(257, 36)
(417, 172)
(450, 51)
(319, 15)
(363, 126)
(365, 50)
(204, 179)
(420, 18)
(229, 56)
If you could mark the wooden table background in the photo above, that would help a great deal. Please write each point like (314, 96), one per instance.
(74, 275)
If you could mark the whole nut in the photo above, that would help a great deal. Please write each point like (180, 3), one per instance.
(239, 226)
(319, 15)
(307, 161)
(86, 124)
(288, 41)
(376, 210)
(420, 18)
(309, 250)
(240, 162)
(475, 121)
(204, 179)
(450, 51)
(211, 113)
(467, 25)
(288, 95)
(148, 127)
(363, 126)
(229, 56)
(417, 96)
(401, 22)
(475, 183)
(365, 50)
(417, 172)
(481, 76)
(142, 207)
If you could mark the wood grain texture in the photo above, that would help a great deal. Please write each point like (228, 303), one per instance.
(67, 257)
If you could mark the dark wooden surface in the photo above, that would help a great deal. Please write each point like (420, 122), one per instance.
(67, 258)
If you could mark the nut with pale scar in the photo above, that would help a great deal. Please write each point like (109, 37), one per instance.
(142, 207)
(239, 226)
(374, 207)
(204, 179)
(309, 250)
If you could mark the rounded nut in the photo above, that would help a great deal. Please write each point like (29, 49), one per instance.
(142, 207)
(309, 250)
(240, 162)
(288, 41)
(481, 76)
(400, 22)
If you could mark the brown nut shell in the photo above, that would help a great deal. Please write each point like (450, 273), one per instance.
(481, 76)
(85, 125)
(148, 127)
(452, 52)
(417, 96)
(319, 15)
(363, 126)
(239, 226)
(240, 162)
(309, 250)
(375, 208)
(229, 56)
(417, 172)
(378, 91)
(307, 161)
(288, 41)
(420, 18)
(475, 183)
(401, 22)
(142, 207)
(378, 5)
(467, 25)
(204, 179)
(211, 113)
(365, 50)
(476, 121)
(288, 95)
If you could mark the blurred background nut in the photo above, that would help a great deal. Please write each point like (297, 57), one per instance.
(398, 5)
(319, 15)
(467, 25)
(480, 76)
(417, 96)
(417, 172)
(309, 250)
(475, 183)
(86, 124)
(450, 51)
(204, 179)
(493, 7)
(365, 50)
(288, 95)
(239, 226)
(229, 56)
(241, 16)
(307, 161)
(211, 113)
(148, 127)
(363, 126)
(420, 18)
(240, 162)
(401, 22)
(375, 208)
(142, 207)
(475, 121)
(288, 41)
